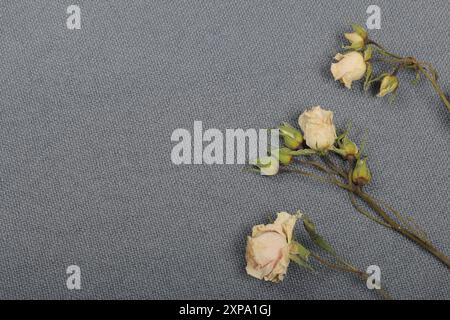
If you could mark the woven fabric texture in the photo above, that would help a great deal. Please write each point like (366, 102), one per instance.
(86, 118)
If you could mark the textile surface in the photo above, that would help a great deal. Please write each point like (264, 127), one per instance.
(86, 118)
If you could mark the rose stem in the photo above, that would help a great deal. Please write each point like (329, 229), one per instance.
(436, 87)
(417, 239)
(433, 81)
(351, 269)
(373, 205)
(395, 226)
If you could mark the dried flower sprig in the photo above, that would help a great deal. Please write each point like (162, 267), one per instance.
(271, 248)
(363, 52)
(350, 174)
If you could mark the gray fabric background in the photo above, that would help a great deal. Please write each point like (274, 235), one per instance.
(85, 123)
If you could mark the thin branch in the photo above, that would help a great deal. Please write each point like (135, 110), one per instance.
(365, 213)
(349, 268)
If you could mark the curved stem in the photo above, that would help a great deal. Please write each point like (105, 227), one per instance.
(365, 213)
(424, 243)
(327, 159)
(316, 165)
(316, 177)
(336, 266)
(375, 206)
(419, 65)
(383, 50)
(346, 267)
(436, 86)
(414, 228)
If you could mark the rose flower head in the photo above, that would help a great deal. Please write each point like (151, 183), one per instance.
(318, 128)
(268, 248)
(350, 67)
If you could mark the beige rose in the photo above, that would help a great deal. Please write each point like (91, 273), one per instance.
(318, 128)
(267, 251)
(351, 67)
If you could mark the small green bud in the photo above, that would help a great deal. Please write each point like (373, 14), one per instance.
(298, 249)
(292, 137)
(347, 148)
(388, 84)
(360, 31)
(284, 156)
(357, 42)
(361, 174)
(357, 38)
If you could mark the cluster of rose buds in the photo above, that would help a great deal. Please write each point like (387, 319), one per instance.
(357, 63)
(317, 136)
(271, 247)
(316, 140)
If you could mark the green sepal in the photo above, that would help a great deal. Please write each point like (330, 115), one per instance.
(291, 143)
(360, 30)
(345, 133)
(369, 72)
(292, 137)
(416, 79)
(300, 250)
(302, 263)
(283, 155)
(368, 53)
(379, 78)
(303, 152)
(354, 47)
(286, 130)
(310, 227)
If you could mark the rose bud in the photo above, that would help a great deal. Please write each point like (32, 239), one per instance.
(318, 128)
(357, 42)
(267, 166)
(351, 67)
(284, 156)
(347, 148)
(360, 31)
(388, 84)
(361, 174)
(292, 137)
(267, 252)
(357, 38)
